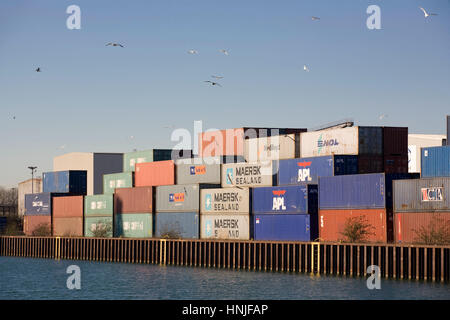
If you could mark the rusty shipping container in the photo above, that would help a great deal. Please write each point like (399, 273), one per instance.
(31, 223)
(332, 224)
(133, 200)
(68, 227)
(158, 173)
(395, 141)
(410, 227)
(68, 207)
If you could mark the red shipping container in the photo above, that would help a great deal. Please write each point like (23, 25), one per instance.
(68, 207)
(332, 224)
(31, 223)
(158, 173)
(68, 227)
(370, 164)
(407, 225)
(395, 141)
(133, 200)
(396, 164)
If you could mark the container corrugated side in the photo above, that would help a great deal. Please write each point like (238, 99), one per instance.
(282, 227)
(411, 227)
(180, 198)
(178, 225)
(270, 148)
(117, 180)
(99, 205)
(91, 224)
(158, 173)
(130, 159)
(395, 141)
(133, 225)
(38, 204)
(132, 200)
(31, 223)
(258, 174)
(435, 162)
(68, 227)
(68, 207)
(71, 181)
(202, 173)
(225, 227)
(229, 200)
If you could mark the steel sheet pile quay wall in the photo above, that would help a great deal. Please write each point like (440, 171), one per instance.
(435, 162)
(130, 159)
(68, 216)
(133, 212)
(38, 213)
(225, 214)
(285, 213)
(258, 174)
(418, 141)
(98, 216)
(177, 210)
(395, 149)
(367, 196)
(71, 181)
(151, 174)
(421, 209)
(272, 148)
(114, 181)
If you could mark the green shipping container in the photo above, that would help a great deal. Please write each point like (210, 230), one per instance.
(101, 205)
(131, 158)
(133, 225)
(117, 180)
(101, 227)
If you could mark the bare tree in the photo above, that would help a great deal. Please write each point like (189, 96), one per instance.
(8, 197)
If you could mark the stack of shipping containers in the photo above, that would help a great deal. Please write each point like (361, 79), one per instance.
(68, 217)
(38, 213)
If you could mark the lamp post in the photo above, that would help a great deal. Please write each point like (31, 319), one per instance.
(33, 170)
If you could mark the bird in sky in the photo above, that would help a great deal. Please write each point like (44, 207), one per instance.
(216, 77)
(426, 13)
(315, 18)
(38, 70)
(225, 52)
(305, 68)
(114, 44)
(192, 51)
(14, 117)
(214, 83)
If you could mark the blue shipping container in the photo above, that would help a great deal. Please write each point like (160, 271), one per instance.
(435, 162)
(38, 204)
(2, 224)
(287, 199)
(184, 225)
(286, 227)
(299, 171)
(361, 191)
(72, 181)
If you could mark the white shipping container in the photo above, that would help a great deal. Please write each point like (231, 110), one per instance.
(257, 174)
(329, 142)
(418, 141)
(225, 226)
(229, 200)
(270, 148)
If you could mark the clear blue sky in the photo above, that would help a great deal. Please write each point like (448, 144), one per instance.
(90, 97)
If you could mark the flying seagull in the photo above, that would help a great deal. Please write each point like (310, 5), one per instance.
(305, 68)
(217, 77)
(315, 18)
(38, 70)
(213, 83)
(426, 13)
(192, 51)
(114, 44)
(225, 52)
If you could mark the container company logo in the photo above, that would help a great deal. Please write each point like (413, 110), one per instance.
(229, 176)
(432, 194)
(96, 205)
(326, 143)
(176, 197)
(208, 228)
(197, 170)
(278, 200)
(304, 173)
(208, 202)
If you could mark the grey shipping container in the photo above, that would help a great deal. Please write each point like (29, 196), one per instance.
(422, 195)
(198, 173)
(257, 174)
(226, 200)
(180, 198)
(184, 225)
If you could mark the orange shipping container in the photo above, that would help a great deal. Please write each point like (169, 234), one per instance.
(68, 227)
(68, 207)
(332, 224)
(158, 173)
(409, 225)
(222, 143)
(31, 223)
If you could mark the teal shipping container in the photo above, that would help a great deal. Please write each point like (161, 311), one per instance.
(133, 225)
(101, 227)
(131, 158)
(99, 205)
(117, 180)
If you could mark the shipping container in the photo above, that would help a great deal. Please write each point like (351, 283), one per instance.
(414, 227)
(27, 187)
(395, 141)
(96, 165)
(418, 141)
(198, 173)
(178, 225)
(99, 205)
(342, 141)
(229, 200)
(258, 174)
(132, 200)
(117, 180)
(158, 173)
(133, 225)
(272, 148)
(180, 198)
(231, 141)
(283, 227)
(422, 195)
(38, 204)
(3, 223)
(68, 207)
(98, 227)
(396, 164)
(285, 199)
(210, 160)
(70, 181)
(435, 162)
(370, 164)
(68, 227)
(226, 227)
(448, 130)
(299, 171)
(362, 191)
(131, 158)
(332, 224)
(37, 223)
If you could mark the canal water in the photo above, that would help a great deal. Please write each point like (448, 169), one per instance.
(26, 278)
